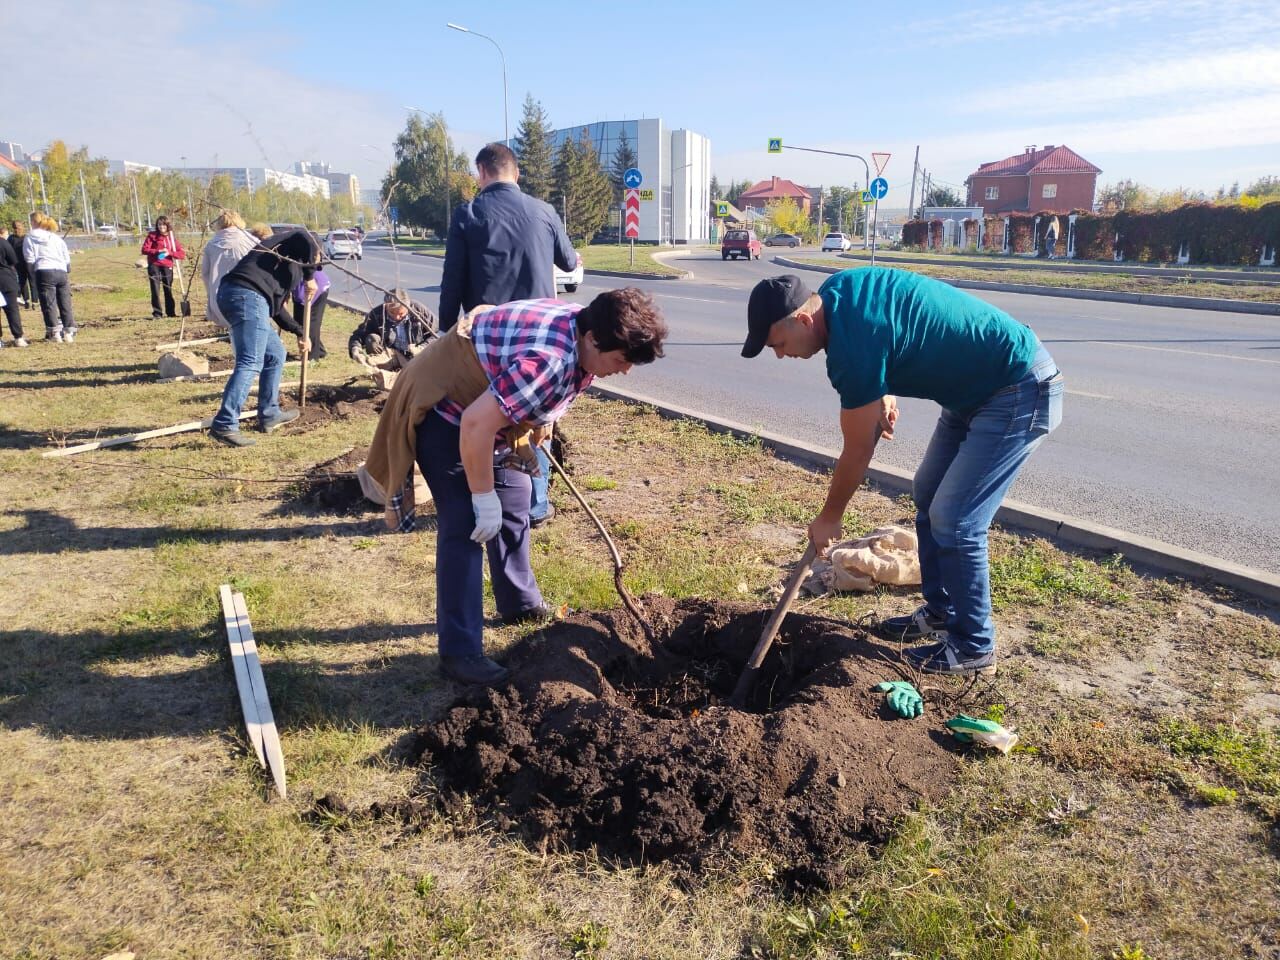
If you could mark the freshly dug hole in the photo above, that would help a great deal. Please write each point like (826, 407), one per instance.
(601, 740)
(332, 487)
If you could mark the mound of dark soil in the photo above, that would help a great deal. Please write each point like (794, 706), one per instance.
(336, 402)
(332, 486)
(604, 740)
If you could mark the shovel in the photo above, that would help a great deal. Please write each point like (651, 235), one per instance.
(748, 678)
(306, 352)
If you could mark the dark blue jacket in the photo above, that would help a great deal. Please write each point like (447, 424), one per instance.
(501, 246)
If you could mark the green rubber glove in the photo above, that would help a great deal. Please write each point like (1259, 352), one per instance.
(967, 729)
(902, 697)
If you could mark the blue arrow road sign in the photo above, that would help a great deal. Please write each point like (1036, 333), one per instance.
(395, 213)
(632, 179)
(879, 187)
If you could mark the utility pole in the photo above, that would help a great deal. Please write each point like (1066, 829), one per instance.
(137, 207)
(31, 186)
(915, 168)
(821, 197)
(84, 200)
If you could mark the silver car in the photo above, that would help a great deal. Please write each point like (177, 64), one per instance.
(342, 243)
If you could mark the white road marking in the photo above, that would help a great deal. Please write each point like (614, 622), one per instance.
(1084, 393)
(1190, 353)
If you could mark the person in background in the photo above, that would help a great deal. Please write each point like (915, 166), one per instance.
(162, 248)
(1051, 238)
(323, 283)
(26, 282)
(249, 295)
(391, 335)
(9, 288)
(50, 262)
(229, 245)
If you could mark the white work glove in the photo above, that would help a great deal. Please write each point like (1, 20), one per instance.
(488, 510)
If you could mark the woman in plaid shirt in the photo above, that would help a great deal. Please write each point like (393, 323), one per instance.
(538, 355)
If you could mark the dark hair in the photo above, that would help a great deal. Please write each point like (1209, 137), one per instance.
(626, 320)
(496, 159)
(165, 220)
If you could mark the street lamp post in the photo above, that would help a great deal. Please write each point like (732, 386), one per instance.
(506, 134)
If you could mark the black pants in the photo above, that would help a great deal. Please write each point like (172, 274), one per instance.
(27, 287)
(161, 276)
(318, 352)
(11, 309)
(55, 301)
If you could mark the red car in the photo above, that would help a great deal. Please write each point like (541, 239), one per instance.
(740, 243)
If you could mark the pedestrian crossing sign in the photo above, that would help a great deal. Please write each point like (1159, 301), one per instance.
(775, 144)
(722, 209)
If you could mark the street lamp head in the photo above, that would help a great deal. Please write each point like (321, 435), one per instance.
(454, 26)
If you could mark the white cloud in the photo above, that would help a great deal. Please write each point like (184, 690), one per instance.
(1188, 76)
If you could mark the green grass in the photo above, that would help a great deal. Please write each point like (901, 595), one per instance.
(140, 821)
(617, 257)
(952, 255)
(1081, 280)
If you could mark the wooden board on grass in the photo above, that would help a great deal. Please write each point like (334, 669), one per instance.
(270, 736)
(248, 706)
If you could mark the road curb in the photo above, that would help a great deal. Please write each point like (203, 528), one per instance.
(1265, 276)
(1115, 296)
(1164, 558)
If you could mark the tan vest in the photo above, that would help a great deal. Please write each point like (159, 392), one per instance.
(447, 367)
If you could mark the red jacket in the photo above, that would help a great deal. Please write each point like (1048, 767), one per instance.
(168, 242)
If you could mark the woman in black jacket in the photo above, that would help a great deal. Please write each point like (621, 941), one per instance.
(26, 282)
(249, 296)
(9, 287)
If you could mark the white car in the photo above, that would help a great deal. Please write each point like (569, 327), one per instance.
(342, 243)
(838, 242)
(108, 231)
(568, 280)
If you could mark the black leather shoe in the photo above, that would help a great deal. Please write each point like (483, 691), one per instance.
(475, 671)
(547, 517)
(539, 614)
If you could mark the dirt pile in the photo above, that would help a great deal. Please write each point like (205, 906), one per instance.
(332, 486)
(327, 402)
(603, 740)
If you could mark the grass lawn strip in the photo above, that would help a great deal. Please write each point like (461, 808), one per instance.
(1063, 277)
(595, 256)
(1138, 813)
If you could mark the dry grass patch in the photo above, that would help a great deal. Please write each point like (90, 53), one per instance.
(1140, 809)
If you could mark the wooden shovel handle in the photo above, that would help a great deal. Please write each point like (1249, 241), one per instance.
(771, 628)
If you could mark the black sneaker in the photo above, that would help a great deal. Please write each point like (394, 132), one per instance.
(477, 671)
(943, 657)
(922, 623)
(232, 438)
(279, 420)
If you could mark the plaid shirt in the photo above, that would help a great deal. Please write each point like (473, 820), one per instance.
(529, 351)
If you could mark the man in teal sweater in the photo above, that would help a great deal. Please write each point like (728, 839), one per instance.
(889, 333)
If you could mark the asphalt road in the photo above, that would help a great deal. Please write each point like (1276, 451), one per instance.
(1171, 426)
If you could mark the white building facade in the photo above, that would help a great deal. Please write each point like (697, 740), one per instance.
(255, 178)
(675, 195)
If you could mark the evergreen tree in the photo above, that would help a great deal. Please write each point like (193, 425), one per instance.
(716, 193)
(533, 150)
(624, 158)
(582, 191)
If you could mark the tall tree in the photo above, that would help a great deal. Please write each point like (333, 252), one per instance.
(533, 149)
(787, 217)
(582, 190)
(940, 196)
(716, 189)
(425, 182)
(1124, 195)
(624, 158)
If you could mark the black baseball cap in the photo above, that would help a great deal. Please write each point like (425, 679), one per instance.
(771, 300)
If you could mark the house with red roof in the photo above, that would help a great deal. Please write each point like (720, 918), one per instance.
(1053, 178)
(7, 166)
(769, 191)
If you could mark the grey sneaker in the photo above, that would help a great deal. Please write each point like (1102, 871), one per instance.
(922, 623)
(944, 657)
(232, 438)
(21, 342)
(279, 420)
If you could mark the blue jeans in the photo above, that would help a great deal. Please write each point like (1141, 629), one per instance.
(259, 353)
(971, 461)
(538, 502)
(459, 561)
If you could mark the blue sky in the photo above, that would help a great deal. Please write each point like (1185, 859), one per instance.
(1167, 93)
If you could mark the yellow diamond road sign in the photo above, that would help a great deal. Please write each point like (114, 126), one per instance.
(775, 144)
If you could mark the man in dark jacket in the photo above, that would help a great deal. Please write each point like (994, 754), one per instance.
(391, 335)
(502, 244)
(248, 297)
